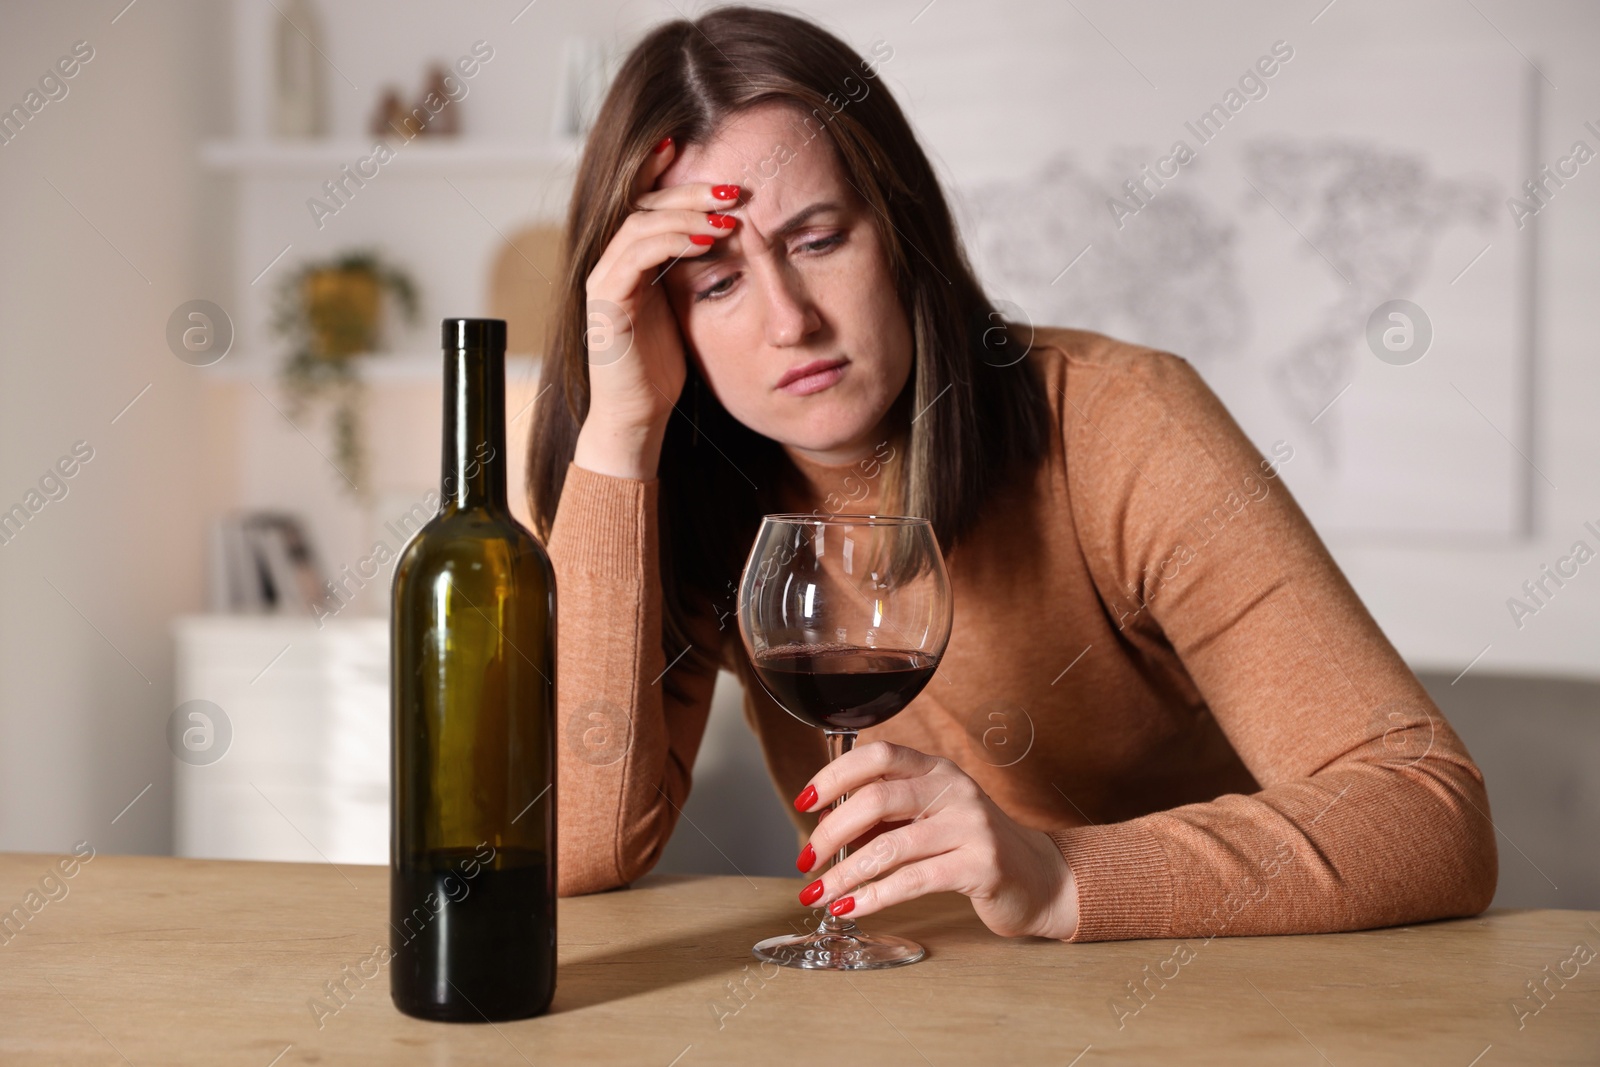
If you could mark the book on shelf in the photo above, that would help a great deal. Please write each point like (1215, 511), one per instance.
(263, 563)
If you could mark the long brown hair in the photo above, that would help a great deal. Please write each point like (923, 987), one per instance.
(982, 413)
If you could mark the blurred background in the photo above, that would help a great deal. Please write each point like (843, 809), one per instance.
(230, 230)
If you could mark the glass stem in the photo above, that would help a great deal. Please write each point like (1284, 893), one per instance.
(839, 743)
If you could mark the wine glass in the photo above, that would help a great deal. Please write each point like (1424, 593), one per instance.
(845, 618)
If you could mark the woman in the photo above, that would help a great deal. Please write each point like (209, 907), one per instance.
(1163, 711)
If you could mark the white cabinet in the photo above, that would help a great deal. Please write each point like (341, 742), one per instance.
(305, 775)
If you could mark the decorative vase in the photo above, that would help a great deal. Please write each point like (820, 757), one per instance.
(298, 105)
(344, 309)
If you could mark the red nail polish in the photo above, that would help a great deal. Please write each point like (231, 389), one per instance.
(807, 797)
(810, 893)
(808, 858)
(725, 192)
(721, 222)
(701, 238)
(666, 143)
(842, 905)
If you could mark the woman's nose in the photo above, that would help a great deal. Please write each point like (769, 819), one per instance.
(791, 317)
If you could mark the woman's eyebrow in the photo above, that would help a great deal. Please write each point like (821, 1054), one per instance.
(788, 226)
(799, 218)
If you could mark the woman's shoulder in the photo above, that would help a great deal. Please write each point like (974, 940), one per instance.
(1086, 369)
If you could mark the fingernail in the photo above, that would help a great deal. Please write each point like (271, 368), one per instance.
(721, 222)
(824, 813)
(807, 797)
(701, 238)
(666, 143)
(725, 192)
(808, 858)
(842, 905)
(810, 893)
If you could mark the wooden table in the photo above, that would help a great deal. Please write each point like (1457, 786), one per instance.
(150, 960)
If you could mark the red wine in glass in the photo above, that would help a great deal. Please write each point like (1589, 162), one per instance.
(843, 687)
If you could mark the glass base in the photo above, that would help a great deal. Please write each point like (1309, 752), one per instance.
(841, 947)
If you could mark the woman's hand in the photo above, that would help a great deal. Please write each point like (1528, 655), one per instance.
(636, 358)
(929, 828)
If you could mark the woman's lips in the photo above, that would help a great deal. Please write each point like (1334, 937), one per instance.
(826, 374)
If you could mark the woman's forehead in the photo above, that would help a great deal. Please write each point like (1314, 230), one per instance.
(778, 162)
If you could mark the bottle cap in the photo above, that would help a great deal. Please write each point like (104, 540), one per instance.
(474, 335)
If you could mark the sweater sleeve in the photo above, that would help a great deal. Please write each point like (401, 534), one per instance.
(626, 747)
(1370, 811)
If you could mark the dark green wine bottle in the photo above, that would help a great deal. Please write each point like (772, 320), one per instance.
(472, 857)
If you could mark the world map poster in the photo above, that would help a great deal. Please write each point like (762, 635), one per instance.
(1331, 246)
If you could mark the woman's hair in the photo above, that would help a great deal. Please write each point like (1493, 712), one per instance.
(983, 415)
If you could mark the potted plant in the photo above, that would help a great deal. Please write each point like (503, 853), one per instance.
(332, 314)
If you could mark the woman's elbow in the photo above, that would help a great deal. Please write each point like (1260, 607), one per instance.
(584, 866)
(638, 862)
(1473, 857)
(580, 884)
(1480, 873)
(577, 874)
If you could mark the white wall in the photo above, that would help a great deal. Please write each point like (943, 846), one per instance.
(1440, 604)
(87, 588)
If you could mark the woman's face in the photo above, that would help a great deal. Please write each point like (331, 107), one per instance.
(801, 279)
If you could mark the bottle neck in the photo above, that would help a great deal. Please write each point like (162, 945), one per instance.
(473, 474)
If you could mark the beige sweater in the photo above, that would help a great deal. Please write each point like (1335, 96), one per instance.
(1154, 659)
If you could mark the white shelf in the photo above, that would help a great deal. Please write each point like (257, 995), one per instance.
(324, 156)
(385, 368)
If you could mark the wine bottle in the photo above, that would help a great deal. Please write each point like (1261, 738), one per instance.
(472, 858)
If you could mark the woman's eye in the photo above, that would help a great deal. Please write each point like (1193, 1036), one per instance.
(822, 243)
(722, 287)
(717, 290)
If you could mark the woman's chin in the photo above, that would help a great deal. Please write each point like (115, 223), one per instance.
(837, 427)
(834, 444)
